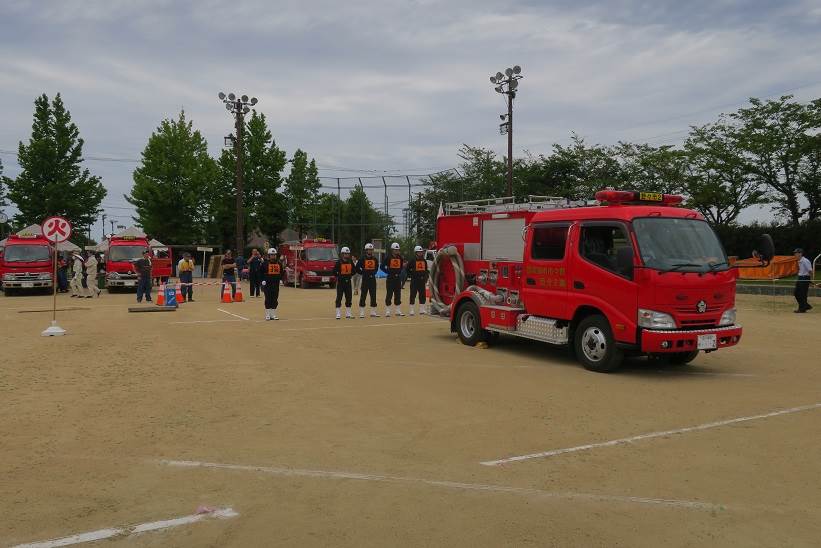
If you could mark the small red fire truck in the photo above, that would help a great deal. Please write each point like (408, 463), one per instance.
(26, 262)
(123, 250)
(629, 274)
(310, 262)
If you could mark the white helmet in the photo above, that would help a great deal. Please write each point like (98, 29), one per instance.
(345, 250)
(418, 249)
(369, 246)
(272, 251)
(394, 245)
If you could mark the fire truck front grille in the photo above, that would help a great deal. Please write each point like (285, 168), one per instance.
(691, 308)
(324, 272)
(697, 324)
(23, 277)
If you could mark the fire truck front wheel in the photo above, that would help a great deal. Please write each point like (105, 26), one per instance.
(595, 346)
(469, 324)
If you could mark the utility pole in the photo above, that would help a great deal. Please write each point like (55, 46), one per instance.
(239, 107)
(507, 84)
(103, 227)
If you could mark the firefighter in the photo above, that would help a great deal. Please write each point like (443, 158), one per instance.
(77, 277)
(90, 277)
(343, 270)
(271, 270)
(418, 273)
(392, 266)
(366, 268)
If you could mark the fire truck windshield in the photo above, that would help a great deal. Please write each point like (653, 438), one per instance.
(321, 254)
(26, 253)
(682, 245)
(118, 253)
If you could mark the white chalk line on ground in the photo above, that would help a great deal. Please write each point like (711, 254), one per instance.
(340, 475)
(100, 534)
(232, 314)
(651, 435)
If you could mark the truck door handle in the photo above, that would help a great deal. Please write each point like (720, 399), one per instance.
(578, 285)
(531, 281)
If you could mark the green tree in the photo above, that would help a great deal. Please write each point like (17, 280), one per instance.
(52, 180)
(302, 192)
(719, 183)
(170, 184)
(575, 171)
(325, 219)
(652, 169)
(361, 222)
(775, 136)
(264, 206)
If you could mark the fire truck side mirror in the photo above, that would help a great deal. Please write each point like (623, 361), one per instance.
(766, 248)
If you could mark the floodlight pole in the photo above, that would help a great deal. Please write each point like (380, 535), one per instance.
(507, 84)
(239, 106)
(240, 176)
(510, 96)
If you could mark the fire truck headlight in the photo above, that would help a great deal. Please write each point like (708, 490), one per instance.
(8, 276)
(656, 320)
(44, 276)
(114, 275)
(728, 318)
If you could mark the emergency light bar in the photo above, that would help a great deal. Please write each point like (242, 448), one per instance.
(629, 196)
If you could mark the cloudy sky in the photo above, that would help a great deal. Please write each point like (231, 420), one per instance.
(395, 86)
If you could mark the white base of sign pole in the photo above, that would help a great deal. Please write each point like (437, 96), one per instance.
(54, 331)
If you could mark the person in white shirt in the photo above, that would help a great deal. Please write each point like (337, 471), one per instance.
(90, 277)
(802, 283)
(77, 277)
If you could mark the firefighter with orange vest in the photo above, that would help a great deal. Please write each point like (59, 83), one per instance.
(271, 270)
(367, 268)
(418, 273)
(343, 270)
(392, 266)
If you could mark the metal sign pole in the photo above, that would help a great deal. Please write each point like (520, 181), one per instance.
(54, 287)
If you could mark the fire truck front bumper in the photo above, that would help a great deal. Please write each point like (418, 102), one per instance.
(672, 341)
(26, 282)
(318, 279)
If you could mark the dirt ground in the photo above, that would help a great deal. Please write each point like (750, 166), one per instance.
(372, 432)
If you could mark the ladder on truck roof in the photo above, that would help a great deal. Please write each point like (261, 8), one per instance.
(509, 203)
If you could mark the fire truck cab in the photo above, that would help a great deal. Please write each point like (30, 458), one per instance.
(309, 262)
(26, 263)
(632, 274)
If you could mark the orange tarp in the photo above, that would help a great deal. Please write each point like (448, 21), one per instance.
(782, 266)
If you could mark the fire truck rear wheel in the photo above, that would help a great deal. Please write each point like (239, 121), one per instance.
(469, 324)
(595, 346)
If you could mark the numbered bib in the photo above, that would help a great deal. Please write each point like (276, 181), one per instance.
(396, 263)
(345, 268)
(274, 269)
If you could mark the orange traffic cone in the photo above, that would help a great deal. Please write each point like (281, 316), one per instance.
(238, 295)
(226, 293)
(160, 300)
(180, 296)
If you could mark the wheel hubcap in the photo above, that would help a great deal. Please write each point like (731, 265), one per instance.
(594, 344)
(468, 324)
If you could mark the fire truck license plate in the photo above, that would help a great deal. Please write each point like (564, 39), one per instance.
(129, 283)
(325, 279)
(707, 342)
(27, 285)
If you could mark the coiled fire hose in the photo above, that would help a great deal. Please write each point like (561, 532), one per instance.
(447, 252)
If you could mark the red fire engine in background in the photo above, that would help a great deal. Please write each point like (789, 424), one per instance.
(123, 250)
(629, 274)
(26, 263)
(309, 262)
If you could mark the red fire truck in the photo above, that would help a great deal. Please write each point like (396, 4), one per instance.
(26, 262)
(309, 262)
(629, 274)
(123, 250)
